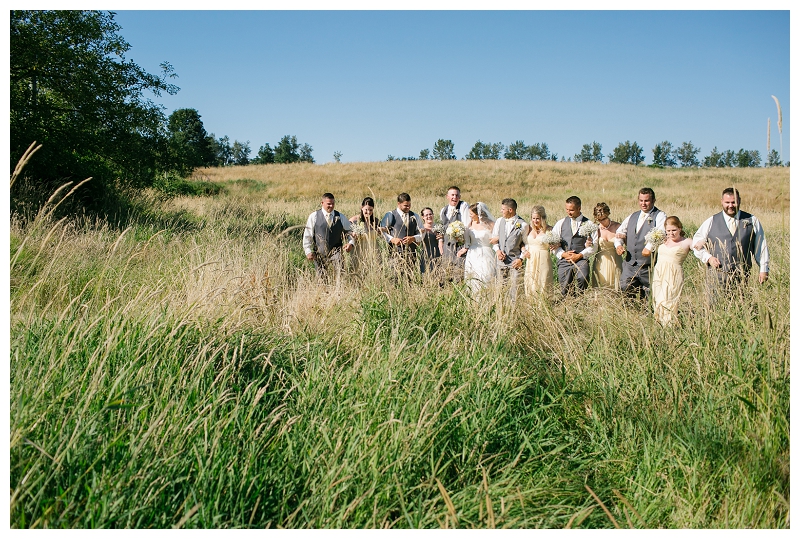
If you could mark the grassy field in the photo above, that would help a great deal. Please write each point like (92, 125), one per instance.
(182, 367)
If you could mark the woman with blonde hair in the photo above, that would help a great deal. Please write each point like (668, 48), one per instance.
(607, 263)
(538, 265)
(667, 281)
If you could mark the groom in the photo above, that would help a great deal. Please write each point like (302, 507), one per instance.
(456, 210)
(507, 237)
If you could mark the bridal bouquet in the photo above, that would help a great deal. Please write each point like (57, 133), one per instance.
(587, 229)
(358, 228)
(551, 238)
(455, 232)
(438, 228)
(656, 237)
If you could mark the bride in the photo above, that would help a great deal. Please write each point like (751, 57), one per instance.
(480, 265)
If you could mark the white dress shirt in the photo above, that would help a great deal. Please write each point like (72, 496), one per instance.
(761, 252)
(589, 251)
(308, 233)
(622, 231)
(465, 216)
(398, 215)
(509, 223)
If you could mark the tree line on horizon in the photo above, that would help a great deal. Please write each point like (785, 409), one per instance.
(664, 154)
(73, 91)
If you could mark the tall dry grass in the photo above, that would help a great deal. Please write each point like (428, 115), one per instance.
(691, 193)
(197, 374)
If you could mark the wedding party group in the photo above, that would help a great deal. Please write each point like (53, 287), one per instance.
(641, 257)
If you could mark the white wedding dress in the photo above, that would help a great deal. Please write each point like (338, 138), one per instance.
(480, 265)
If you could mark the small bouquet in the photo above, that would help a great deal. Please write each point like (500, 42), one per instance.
(358, 228)
(587, 229)
(455, 232)
(655, 237)
(550, 238)
(438, 228)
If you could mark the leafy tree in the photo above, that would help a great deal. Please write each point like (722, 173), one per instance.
(687, 155)
(425, 154)
(590, 153)
(337, 156)
(663, 154)
(494, 150)
(486, 150)
(223, 151)
(714, 159)
(728, 158)
(516, 151)
(774, 159)
(189, 146)
(476, 153)
(305, 153)
(443, 150)
(73, 91)
(538, 151)
(287, 150)
(627, 153)
(745, 158)
(264, 156)
(241, 153)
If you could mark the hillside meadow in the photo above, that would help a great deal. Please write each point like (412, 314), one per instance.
(180, 366)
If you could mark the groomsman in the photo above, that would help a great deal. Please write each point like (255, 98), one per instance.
(574, 252)
(727, 243)
(324, 237)
(403, 234)
(507, 239)
(635, 277)
(455, 210)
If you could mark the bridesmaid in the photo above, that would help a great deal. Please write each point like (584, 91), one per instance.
(538, 267)
(667, 281)
(365, 255)
(432, 243)
(607, 263)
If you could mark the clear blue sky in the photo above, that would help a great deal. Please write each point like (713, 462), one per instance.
(373, 83)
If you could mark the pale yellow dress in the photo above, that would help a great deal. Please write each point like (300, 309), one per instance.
(365, 255)
(538, 268)
(607, 265)
(667, 281)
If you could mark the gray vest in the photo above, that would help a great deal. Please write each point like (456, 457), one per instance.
(570, 242)
(326, 239)
(635, 241)
(737, 251)
(450, 248)
(397, 229)
(511, 245)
